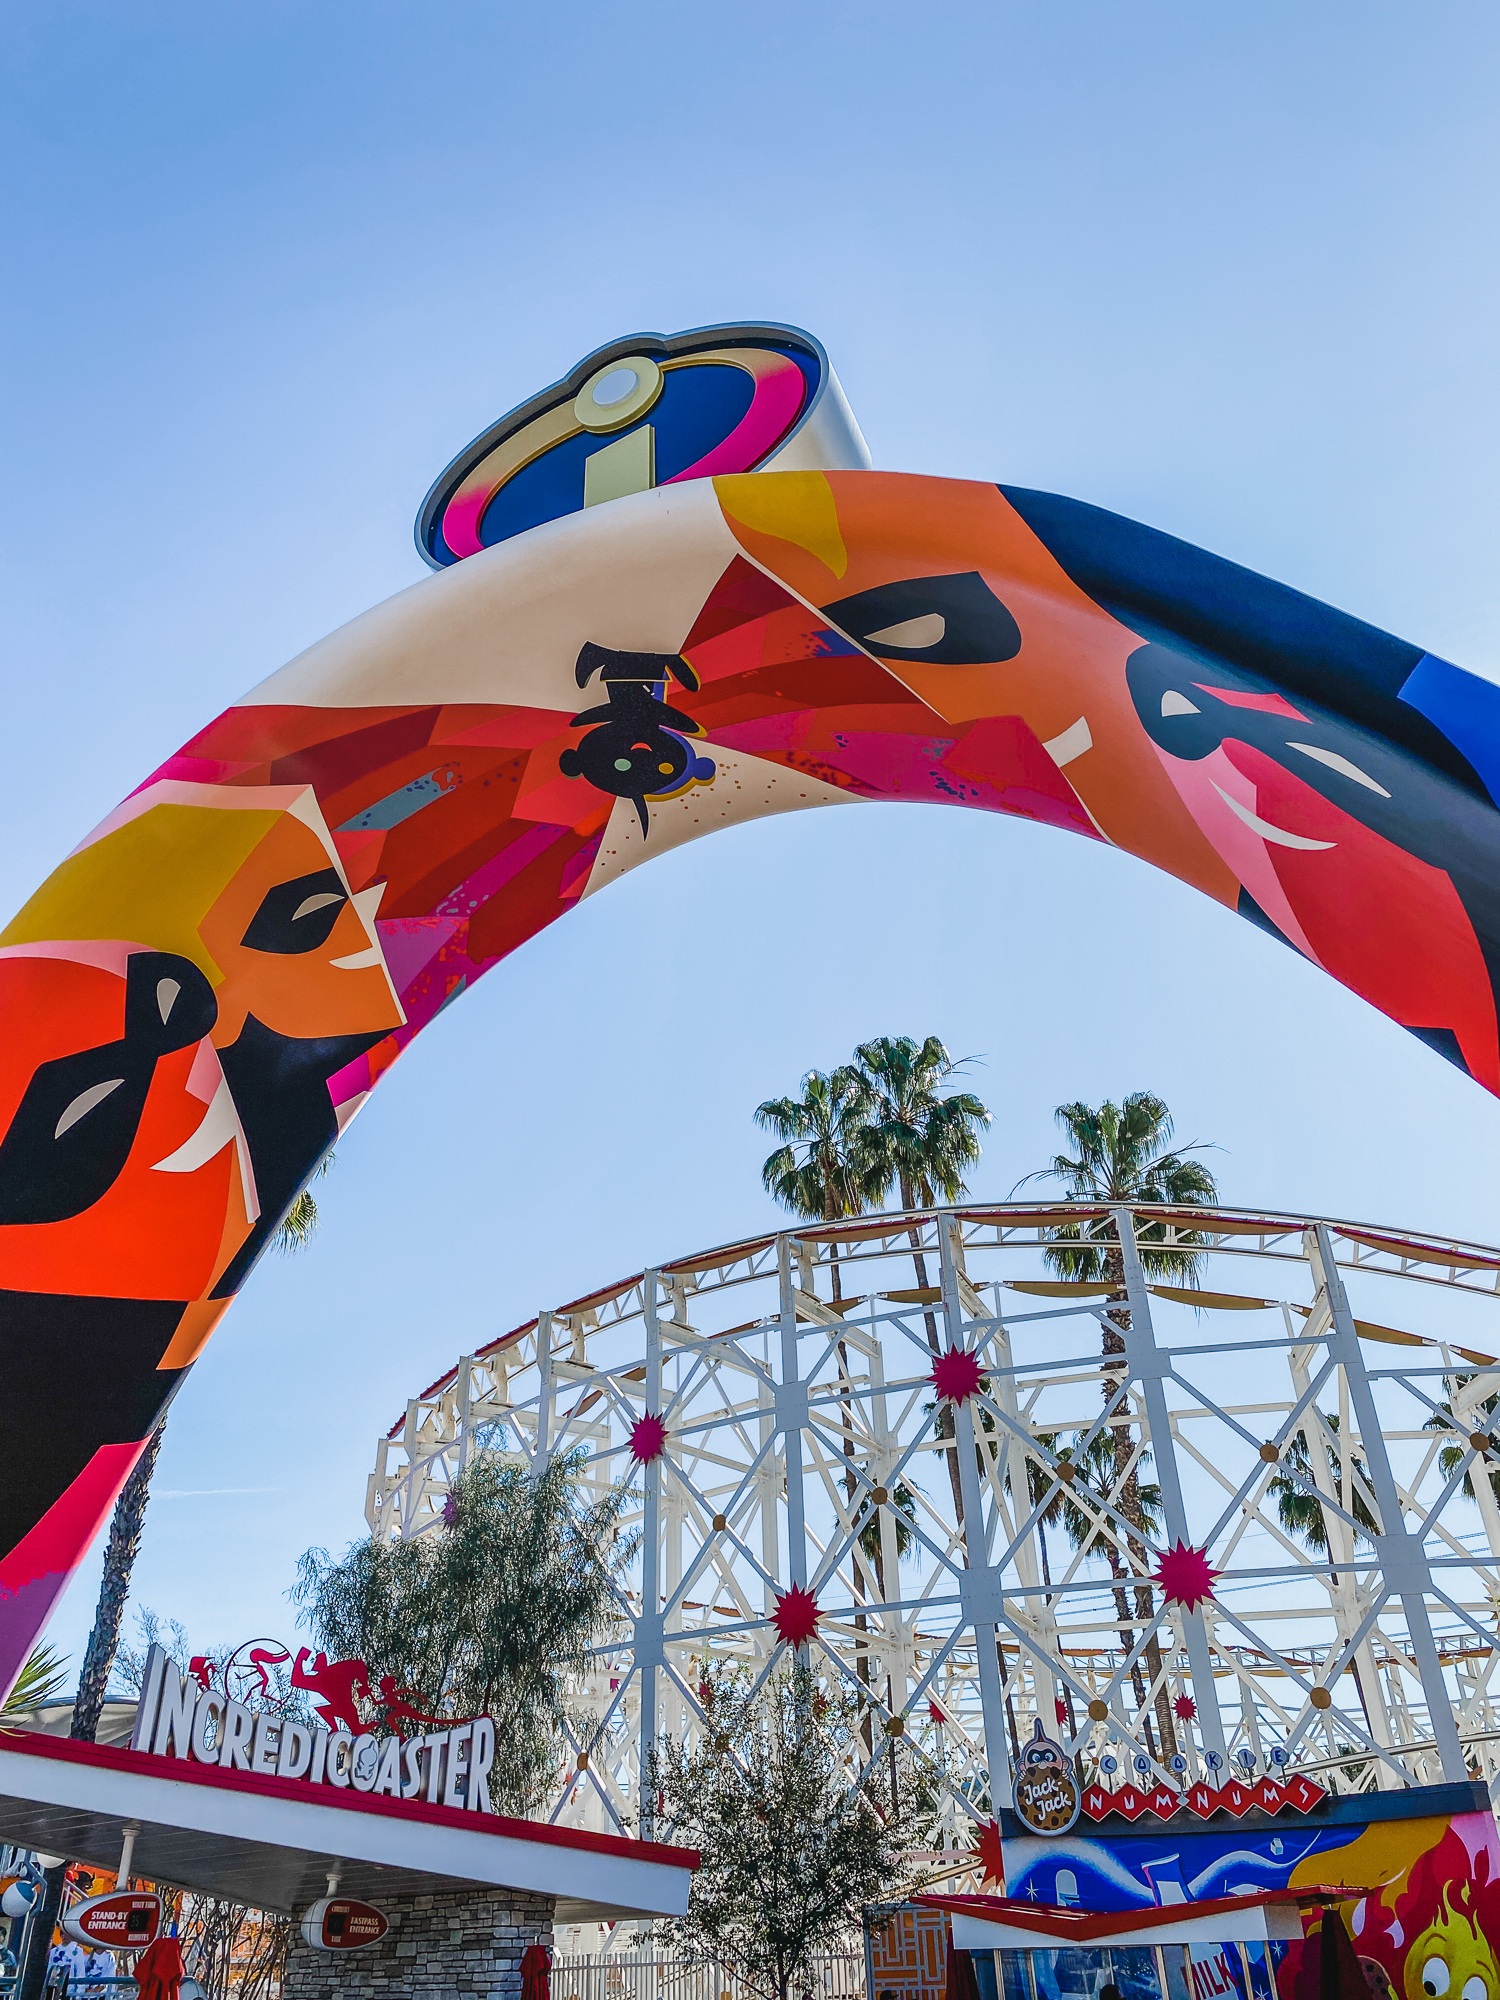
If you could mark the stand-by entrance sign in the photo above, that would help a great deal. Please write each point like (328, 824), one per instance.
(119, 1920)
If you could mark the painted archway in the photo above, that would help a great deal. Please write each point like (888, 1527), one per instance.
(207, 989)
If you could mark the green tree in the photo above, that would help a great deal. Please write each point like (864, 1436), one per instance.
(1298, 1505)
(921, 1137)
(1479, 1418)
(791, 1852)
(1123, 1153)
(493, 1613)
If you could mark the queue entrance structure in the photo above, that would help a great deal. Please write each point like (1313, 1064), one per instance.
(464, 1893)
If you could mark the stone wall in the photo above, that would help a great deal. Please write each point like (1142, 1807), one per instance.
(454, 1944)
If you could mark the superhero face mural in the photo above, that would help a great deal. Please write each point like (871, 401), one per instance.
(263, 917)
(123, 1165)
(1377, 868)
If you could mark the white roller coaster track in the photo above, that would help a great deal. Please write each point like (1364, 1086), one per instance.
(967, 1578)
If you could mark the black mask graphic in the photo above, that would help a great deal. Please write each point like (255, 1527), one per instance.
(73, 1129)
(951, 621)
(638, 749)
(279, 1084)
(107, 1351)
(297, 916)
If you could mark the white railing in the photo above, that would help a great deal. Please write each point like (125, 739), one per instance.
(651, 1975)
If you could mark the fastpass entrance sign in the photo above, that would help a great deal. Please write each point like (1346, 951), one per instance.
(178, 1717)
(343, 1923)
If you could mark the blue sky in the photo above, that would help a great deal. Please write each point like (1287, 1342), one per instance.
(1230, 270)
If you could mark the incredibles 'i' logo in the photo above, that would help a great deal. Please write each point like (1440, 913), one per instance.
(647, 411)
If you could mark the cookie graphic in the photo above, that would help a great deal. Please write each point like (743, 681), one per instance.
(1047, 1794)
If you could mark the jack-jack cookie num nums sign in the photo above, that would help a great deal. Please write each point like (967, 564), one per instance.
(1048, 1798)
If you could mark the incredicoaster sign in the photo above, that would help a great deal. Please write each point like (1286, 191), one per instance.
(176, 1717)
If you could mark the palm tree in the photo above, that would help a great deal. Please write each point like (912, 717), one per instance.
(1089, 1475)
(1123, 1153)
(126, 1526)
(818, 1171)
(44, 1675)
(1298, 1506)
(921, 1137)
(1093, 1478)
(903, 1506)
(296, 1228)
(1481, 1416)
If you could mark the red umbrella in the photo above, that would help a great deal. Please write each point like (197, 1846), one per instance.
(960, 1982)
(536, 1973)
(158, 1970)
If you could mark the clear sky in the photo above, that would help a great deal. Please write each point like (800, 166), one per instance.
(1230, 269)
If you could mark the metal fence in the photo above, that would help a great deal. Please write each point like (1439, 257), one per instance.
(650, 1975)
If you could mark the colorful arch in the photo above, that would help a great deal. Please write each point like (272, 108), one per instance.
(207, 989)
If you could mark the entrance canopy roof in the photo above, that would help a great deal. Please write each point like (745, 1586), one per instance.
(271, 1842)
(1007, 1923)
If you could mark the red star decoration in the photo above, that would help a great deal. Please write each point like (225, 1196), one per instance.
(1060, 1709)
(986, 1848)
(797, 1615)
(648, 1439)
(1184, 1708)
(1186, 1576)
(935, 1714)
(956, 1375)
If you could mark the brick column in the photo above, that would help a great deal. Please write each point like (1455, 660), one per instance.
(449, 1945)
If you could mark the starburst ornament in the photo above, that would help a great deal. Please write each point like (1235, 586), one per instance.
(1186, 1576)
(957, 1376)
(1185, 1708)
(986, 1849)
(648, 1439)
(796, 1617)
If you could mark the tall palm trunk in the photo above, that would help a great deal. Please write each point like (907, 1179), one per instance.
(945, 1425)
(125, 1529)
(851, 1493)
(119, 1559)
(1115, 1325)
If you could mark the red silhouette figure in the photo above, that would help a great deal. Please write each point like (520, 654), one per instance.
(202, 1670)
(264, 1654)
(337, 1689)
(396, 1702)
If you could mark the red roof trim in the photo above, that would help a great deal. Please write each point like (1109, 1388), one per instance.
(1015, 1913)
(182, 1770)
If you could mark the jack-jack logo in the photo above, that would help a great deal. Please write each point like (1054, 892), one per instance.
(1047, 1793)
(638, 748)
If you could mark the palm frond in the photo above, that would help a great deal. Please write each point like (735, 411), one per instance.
(1122, 1153)
(42, 1679)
